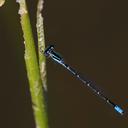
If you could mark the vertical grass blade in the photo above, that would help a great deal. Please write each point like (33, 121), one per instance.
(32, 67)
(41, 43)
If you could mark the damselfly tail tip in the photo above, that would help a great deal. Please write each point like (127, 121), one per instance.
(48, 50)
(119, 110)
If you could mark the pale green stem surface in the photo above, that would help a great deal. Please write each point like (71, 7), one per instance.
(33, 72)
(41, 43)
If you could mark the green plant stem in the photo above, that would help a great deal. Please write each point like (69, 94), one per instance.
(41, 43)
(33, 72)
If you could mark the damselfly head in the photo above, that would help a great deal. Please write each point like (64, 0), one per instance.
(48, 50)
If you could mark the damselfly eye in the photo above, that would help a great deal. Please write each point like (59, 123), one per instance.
(48, 50)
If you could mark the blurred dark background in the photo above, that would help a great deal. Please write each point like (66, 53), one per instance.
(92, 37)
